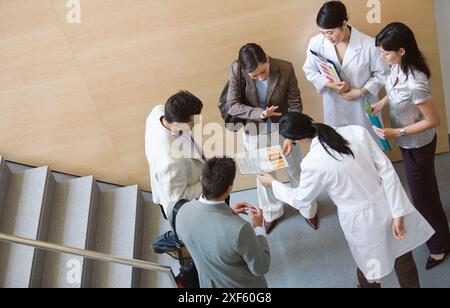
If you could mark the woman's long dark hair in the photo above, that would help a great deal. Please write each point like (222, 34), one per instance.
(298, 126)
(398, 35)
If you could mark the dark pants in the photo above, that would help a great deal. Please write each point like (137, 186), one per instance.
(420, 171)
(406, 271)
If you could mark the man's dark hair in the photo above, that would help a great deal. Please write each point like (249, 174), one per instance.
(217, 177)
(181, 107)
(250, 56)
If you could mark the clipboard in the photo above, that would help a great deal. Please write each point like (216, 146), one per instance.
(327, 67)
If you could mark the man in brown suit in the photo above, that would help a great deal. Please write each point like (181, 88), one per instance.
(271, 90)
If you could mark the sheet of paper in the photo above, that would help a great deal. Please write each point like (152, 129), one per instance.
(267, 159)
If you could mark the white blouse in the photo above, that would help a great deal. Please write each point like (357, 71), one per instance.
(405, 93)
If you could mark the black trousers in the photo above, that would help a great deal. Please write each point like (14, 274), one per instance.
(420, 171)
(406, 271)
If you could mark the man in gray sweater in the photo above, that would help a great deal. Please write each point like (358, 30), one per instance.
(228, 251)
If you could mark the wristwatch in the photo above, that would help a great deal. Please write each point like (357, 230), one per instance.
(403, 132)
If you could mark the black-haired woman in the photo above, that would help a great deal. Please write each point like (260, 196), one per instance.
(381, 225)
(362, 72)
(414, 117)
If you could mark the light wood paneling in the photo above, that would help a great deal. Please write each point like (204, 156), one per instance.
(47, 115)
(76, 96)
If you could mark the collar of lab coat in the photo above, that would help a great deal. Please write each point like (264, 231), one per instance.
(353, 49)
(354, 46)
(315, 142)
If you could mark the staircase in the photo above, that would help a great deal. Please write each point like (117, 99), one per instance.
(82, 213)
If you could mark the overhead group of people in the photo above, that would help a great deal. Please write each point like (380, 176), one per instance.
(381, 225)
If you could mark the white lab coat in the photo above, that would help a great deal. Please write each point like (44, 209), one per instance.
(368, 194)
(172, 177)
(362, 68)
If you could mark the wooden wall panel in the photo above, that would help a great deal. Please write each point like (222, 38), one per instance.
(47, 115)
(126, 56)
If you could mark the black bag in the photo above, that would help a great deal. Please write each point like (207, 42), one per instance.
(237, 123)
(188, 277)
(170, 244)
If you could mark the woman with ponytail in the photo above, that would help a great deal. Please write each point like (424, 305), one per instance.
(381, 225)
(415, 118)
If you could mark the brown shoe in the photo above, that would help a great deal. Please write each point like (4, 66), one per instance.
(269, 226)
(313, 222)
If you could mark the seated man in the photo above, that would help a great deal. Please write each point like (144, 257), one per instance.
(175, 160)
(225, 248)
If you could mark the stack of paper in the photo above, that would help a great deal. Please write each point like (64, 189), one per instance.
(267, 159)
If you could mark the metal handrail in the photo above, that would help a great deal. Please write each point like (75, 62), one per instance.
(92, 255)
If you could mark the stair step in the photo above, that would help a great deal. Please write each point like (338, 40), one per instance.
(72, 207)
(25, 211)
(155, 225)
(119, 233)
(4, 182)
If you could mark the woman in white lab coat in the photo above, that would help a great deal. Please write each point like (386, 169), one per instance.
(381, 225)
(358, 62)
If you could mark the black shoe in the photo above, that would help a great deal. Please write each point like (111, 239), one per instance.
(432, 263)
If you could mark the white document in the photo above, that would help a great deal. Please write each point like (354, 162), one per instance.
(267, 159)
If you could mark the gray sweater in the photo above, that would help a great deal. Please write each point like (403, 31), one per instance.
(225, 248)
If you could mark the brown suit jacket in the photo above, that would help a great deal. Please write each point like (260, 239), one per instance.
(283, 91)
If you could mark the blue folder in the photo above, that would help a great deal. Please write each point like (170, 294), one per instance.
(377, 123)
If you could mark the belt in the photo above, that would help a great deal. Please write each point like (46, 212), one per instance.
(345, 207)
